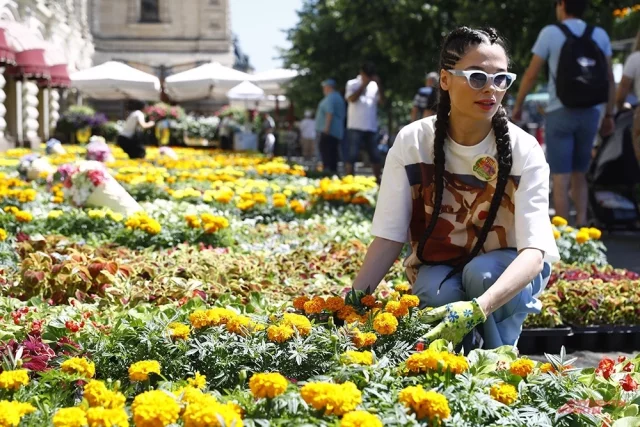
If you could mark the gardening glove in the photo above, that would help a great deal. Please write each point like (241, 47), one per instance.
(456, 321)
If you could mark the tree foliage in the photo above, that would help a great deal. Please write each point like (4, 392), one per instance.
(403, 38)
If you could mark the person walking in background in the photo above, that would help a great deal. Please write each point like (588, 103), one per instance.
(225, 131)
(424, 103)
(269, 142)
(308, 136)
(581, 81)
(630, 77)
(363, 93)
(330, 125)
(129, 139)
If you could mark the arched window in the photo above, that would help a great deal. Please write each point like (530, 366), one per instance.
(149, 11)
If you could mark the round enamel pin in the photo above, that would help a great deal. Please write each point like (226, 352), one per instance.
(485, 167)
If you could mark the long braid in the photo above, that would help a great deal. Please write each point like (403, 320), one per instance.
(454, 48)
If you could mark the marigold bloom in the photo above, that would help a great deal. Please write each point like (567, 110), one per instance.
(298, 322)
(268, 385)
(396, 308)
(70, 417)
(178, 331)
(209, 412)
(334, 399)
(426, 404)
(410, 301)
(279, 333)
(154, 408)
(522, 367)
(504, 393)
(80, 366)
(13, 380)
(97, 394)
(558, 221)
(11, 412)
(360, 419)
(299, 302)
(140, 371)
(357, 357)
(385, 324)
(334, 304)
(102, 417)
(366, 339)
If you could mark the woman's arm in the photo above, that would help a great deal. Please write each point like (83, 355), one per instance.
(381, 255)
(527, 265)
(623, 91)
(144, 124)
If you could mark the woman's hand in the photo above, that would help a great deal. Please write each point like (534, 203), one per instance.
(456, 321)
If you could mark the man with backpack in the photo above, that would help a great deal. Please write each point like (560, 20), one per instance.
(581, 84)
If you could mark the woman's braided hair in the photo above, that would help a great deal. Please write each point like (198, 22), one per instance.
(455, 47)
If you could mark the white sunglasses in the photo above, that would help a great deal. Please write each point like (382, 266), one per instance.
(479, 79)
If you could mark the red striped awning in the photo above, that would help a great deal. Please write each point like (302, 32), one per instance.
(29, 49)
(59, 76)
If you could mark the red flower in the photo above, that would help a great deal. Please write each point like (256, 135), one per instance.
(420, 346)
(628, 367)
(605, 367)
(96, 176)
(628, 383)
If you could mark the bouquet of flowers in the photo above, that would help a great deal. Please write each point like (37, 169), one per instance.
(98, 150)
(90, 184)
(54, 146)
(33, 166)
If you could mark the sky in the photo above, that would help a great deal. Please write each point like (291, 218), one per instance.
(258, 25)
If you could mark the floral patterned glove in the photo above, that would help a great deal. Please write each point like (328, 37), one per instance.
(456, 321)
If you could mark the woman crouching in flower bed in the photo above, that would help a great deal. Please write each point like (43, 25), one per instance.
(471, 190)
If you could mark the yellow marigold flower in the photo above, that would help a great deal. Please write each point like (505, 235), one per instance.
(210, 413)
(3, 234)
(558, 221)
(366, 339)
(279, 203)
(279, 334)
(456, 364)
(334, 304)
(139, 371)
(403, 288)
(24, 216)
(97, 394)
(117, 217)
(267, 385)
(219, 316)
(102, 417)
(199, 319)
(198, 381)
(334, 399)
(426, 404)
(54, 214)
(298, 303)
(595, 234)
(297, 206)
(189, 394)
(504, 393)
(154, 408)
(241, 325)
(410, 301)
(298, 322)
(396, 308)
(522, 367)
(569, 229)
(582, 237)
(179, 331)
(556, 234)
(431, 360)
(315, 306)
(385, 324)
(357, 358)
(368, 301)
(96, 214)
(70, 417)
(546, 368)
(13, 380)
(80, 366)
(360, 419)
(11, 412)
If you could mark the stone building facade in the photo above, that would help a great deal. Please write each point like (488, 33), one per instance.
(162, 37)
(47, 40)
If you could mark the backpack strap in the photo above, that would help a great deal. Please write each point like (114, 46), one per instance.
(588, 32)
(565, 30)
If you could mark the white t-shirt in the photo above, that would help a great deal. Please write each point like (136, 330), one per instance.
(362, 114)
(402, 214)
(308, 129)
(131, 124)
(632, 70)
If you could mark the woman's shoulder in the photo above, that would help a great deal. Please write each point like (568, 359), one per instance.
(415, 138)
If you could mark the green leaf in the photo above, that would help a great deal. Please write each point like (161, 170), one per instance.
(627, 422)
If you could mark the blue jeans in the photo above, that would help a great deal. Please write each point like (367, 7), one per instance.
(503, 326)
(354, 142)
(569, 135)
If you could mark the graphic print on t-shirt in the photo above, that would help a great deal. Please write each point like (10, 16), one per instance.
(465, 206)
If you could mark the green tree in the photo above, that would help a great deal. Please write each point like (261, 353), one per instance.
(403, 38)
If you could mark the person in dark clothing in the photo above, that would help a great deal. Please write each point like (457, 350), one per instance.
(129, 138)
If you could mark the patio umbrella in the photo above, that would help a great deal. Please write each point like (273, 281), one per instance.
(272, 81)
(116, 80)
(210, 80)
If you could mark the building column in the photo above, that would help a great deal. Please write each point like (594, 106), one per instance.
(19, 118)
(54, 109)
(46, 118)
(30, 124)
(3, 110)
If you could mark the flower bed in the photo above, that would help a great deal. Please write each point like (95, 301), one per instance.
(218, 304)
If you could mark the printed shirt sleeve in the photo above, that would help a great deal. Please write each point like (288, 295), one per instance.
(393, 209)
(533, 227)
(542, 46)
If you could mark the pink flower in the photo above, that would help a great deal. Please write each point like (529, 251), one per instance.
(96, 176)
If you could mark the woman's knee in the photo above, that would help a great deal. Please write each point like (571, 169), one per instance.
(432, 291)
